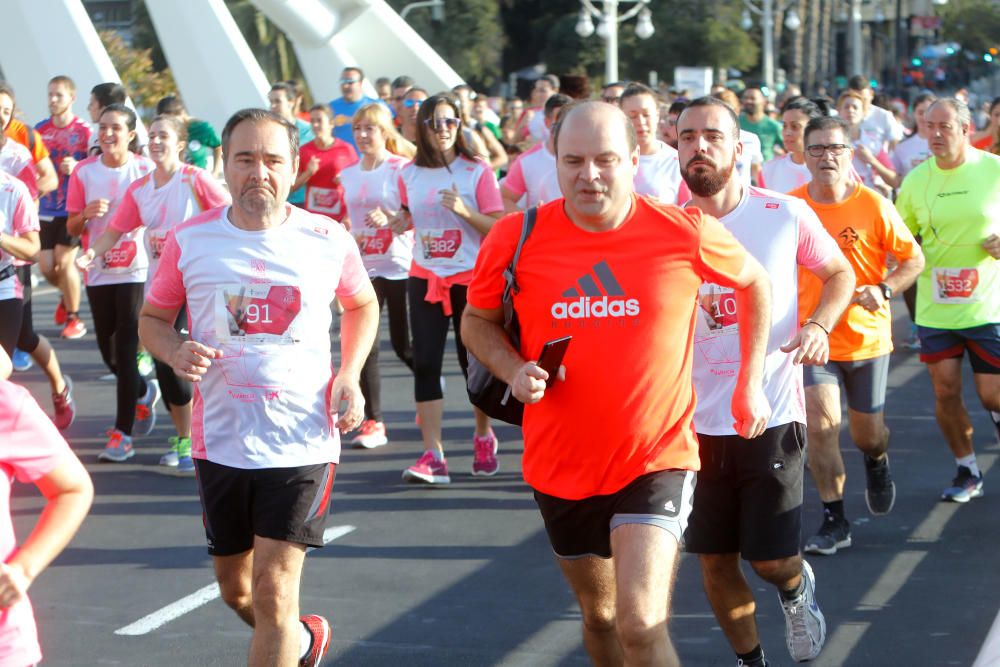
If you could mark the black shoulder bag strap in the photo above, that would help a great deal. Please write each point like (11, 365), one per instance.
(511, 287)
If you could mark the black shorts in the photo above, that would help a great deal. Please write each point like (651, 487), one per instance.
(864, 381)
(983, 343)
(288, 504)
(579, 528)
(53, 232)
(749, 495)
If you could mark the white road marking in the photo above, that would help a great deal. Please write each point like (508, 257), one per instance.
(202, 596)
(989, 654)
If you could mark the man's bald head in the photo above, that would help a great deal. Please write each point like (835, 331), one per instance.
(594, 113)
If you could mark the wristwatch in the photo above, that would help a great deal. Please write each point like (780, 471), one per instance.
(886, 291)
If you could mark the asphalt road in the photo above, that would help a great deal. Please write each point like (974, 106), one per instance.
(463, 575)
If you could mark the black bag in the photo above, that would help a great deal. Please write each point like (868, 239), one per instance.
(487, 392)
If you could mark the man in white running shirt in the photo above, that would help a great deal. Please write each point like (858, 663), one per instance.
(748, 497)
(531, 180)
(259, 278)
(659, 174)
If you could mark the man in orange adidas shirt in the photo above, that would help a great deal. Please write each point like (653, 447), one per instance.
(867, 227)
(609, 448)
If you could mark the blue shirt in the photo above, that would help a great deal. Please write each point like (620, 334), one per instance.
(305, 136)
(343, 115)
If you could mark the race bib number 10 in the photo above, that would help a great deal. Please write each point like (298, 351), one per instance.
(256, 314)
(955, 286)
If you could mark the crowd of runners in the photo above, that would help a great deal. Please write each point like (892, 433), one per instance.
(738, 259)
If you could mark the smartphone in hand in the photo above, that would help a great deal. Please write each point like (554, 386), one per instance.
(552, 356)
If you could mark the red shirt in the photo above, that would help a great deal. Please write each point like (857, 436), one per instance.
(324, 193)
(628, 298)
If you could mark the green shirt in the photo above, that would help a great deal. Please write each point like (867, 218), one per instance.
(202, 141)
(954, 211)
(767, 130)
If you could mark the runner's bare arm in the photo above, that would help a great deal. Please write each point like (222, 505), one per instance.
(68, 493)
(23, 246)
(484, 336)
(358, 324)
(510, 199)
(992, 246)
(103, 244)
(189, 359)
(481, 222)
(870, 297)
(749, 406)
(812, 344)
(48, 179)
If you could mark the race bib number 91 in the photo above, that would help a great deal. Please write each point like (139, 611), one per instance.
(256, 314)
(955, 286)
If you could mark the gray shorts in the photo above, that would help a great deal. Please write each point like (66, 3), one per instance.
(864, 381)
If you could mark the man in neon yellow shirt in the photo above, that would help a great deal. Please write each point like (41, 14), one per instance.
(953, 202)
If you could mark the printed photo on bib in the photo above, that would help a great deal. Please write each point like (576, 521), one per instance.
(323, 200)
(955, 286)
(156, 242)
(717, 328)
(256, 314)
(439, 245)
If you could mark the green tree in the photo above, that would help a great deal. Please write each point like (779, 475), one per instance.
(975, 24)
(135, 67)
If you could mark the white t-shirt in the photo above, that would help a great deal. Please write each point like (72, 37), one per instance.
(752, 154)
(909, 153)
(18, 215)
(877, 146)
(262, 298)
(445, 243)
(782, 233)
(159, 209)
(537, 128)
(385, 254)
(659, 176)
(533, 176)
(882, 124)
(16, 160)
(781, 174)
(127, 261)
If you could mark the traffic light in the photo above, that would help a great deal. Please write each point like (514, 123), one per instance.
(988, 57)
(916, 62)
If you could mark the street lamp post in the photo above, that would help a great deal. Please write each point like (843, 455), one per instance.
(608, 20)
(766, 13)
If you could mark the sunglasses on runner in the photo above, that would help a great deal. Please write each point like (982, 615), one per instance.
(349, 82)
(819, 150)
(438, 124)
(409, 104)
(612, 100)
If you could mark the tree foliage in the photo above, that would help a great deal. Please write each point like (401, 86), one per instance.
(135, 67)
(975, 24)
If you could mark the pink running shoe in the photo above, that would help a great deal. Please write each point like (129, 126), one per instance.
(319, 628)
(118, 449)
(370, 435)
(484, 462)
(428, 470)
(65, 408)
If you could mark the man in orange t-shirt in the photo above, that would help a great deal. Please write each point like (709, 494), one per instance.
(867, 227)
(610, 448)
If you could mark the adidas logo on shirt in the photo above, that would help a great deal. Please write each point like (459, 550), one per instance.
(587, 301)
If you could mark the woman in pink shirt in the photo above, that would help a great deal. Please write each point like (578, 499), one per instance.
(32, 451)
(320, 163)
(156, 203)
(452, 199)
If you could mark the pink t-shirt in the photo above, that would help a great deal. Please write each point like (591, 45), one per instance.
(782, 233)
(16, 160)
(386, 255)
(263, 298)
(659, 176)
(445, 243)
(127, 261)
(189, 192)
(324, 192)
(30, 448)
(18, 216)
(62, 142)
(533, 176)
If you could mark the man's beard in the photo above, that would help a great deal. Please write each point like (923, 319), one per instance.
(707, 183)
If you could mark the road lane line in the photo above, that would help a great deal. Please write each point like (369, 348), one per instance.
(202, 596)
(989, 654)
(891, 581)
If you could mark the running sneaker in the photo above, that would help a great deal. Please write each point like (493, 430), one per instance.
(429, 470)
(964, 487)
(173, 454)
(144, 362)
(185, 466)
(833, 534)
(805, 627)
(75, 328)
(319, 628)
(59, 317)
(913, 342)
(145, 409)
(65, 408)
(118, 449)
(21, 360)
(370, 435)
(880, 494)
(484, 461)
